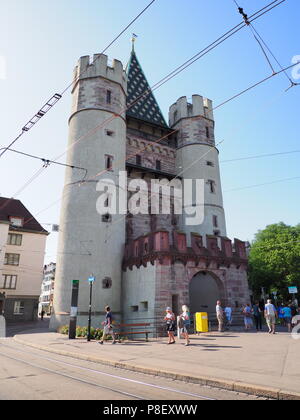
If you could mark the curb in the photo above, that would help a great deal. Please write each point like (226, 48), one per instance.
(236, 386)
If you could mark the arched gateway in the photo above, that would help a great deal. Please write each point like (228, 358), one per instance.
(205, 289)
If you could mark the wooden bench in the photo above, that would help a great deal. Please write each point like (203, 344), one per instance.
(137, 329)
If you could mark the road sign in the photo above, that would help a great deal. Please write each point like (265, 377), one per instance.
(293, 290)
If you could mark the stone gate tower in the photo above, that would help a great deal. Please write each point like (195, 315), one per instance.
(198, 158)
(85, 246)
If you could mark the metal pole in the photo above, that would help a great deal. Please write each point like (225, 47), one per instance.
(90, 313)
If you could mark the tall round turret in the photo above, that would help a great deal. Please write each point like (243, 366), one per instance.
(198, 158)
(90, 243)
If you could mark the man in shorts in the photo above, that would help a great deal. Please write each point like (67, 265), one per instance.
(270, 315)
(107, 326)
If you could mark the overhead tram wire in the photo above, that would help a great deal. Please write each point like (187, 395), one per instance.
(172, 74)
(255, 16)
(218, 106)
(57, 96)
(260, 156)
(179, 69)
(263, 44)
(48, 162)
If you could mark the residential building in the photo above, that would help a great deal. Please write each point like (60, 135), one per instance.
(47, 289)
(22, 251)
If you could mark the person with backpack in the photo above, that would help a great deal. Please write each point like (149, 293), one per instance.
(184, 323)
(107, 326)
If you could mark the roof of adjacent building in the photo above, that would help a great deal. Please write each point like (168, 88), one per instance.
(146, 108)
(10, 207)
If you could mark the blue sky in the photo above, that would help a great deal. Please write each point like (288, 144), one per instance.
(42, 41)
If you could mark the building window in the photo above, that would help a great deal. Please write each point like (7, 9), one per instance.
(19, 307)
(209, 163)
(216, 232)
(215, 221)
(135, 308)
(108, 162)
(158, 165)
(108, 96)
(207, 132)
(16, 221)
(8, 281)
(212, 186)
(14, 239)
(144, 306)
(106, 283)
(11, 259)
(138, 160)
(109, 133)
(106, 218)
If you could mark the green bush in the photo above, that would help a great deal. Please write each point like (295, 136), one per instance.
(96, 333)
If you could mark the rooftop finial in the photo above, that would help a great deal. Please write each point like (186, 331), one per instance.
(133, 39)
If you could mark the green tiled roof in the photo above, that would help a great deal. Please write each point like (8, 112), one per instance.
(146, 108)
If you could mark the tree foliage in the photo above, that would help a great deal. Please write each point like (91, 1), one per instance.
(274, 261)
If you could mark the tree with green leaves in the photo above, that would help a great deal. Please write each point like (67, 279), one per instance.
(274, 260)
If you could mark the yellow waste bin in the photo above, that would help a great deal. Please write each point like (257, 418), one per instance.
(201, 322)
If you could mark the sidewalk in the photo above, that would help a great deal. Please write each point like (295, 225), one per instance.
(255, 363)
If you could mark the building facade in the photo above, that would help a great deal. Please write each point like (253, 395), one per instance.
(145, 260)
(22, 251)
(47, 289)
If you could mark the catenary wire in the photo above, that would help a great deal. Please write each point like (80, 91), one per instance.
(177, 71)
(56, 97)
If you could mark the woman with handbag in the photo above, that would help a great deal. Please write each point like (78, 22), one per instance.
(170, 325)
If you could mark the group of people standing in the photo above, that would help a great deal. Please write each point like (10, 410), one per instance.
(255, 313)
(182, 323)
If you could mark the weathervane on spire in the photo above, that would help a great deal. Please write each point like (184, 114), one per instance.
(133, 39)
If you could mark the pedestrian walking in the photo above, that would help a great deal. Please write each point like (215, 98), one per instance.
(170, 325)
(228, 317)
(220, 316)
(247, 317)
(270, 315)
(281, 314)
(287, 316)
(257, 314)
(185, 323)
(42, 315)
(107, 326)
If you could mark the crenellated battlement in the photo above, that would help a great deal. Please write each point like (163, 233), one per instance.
(158, 246)
(183, 109)
(99, 67)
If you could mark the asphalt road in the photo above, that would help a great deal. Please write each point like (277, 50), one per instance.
(31, 374)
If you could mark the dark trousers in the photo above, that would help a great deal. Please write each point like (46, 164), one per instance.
(258, 321)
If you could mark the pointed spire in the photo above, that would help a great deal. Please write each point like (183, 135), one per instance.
(146, 108)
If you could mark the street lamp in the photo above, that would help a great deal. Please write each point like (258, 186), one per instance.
(91, 281)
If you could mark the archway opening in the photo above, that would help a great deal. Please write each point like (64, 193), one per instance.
(205, 290)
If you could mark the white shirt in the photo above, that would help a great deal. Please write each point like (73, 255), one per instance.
(270, 309)
(219, 309)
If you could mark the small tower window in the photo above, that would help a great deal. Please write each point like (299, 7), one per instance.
(138, 160)
(110, 133)
(108, 96)
(212, 186)
(175, 116)
(106, 218)
(158, 165)
(207, 132)
(108, 162)
(215, 221)
(209, 163)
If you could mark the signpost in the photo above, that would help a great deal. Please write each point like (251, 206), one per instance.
(73, 312)
(293, 290)
(91, 281)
